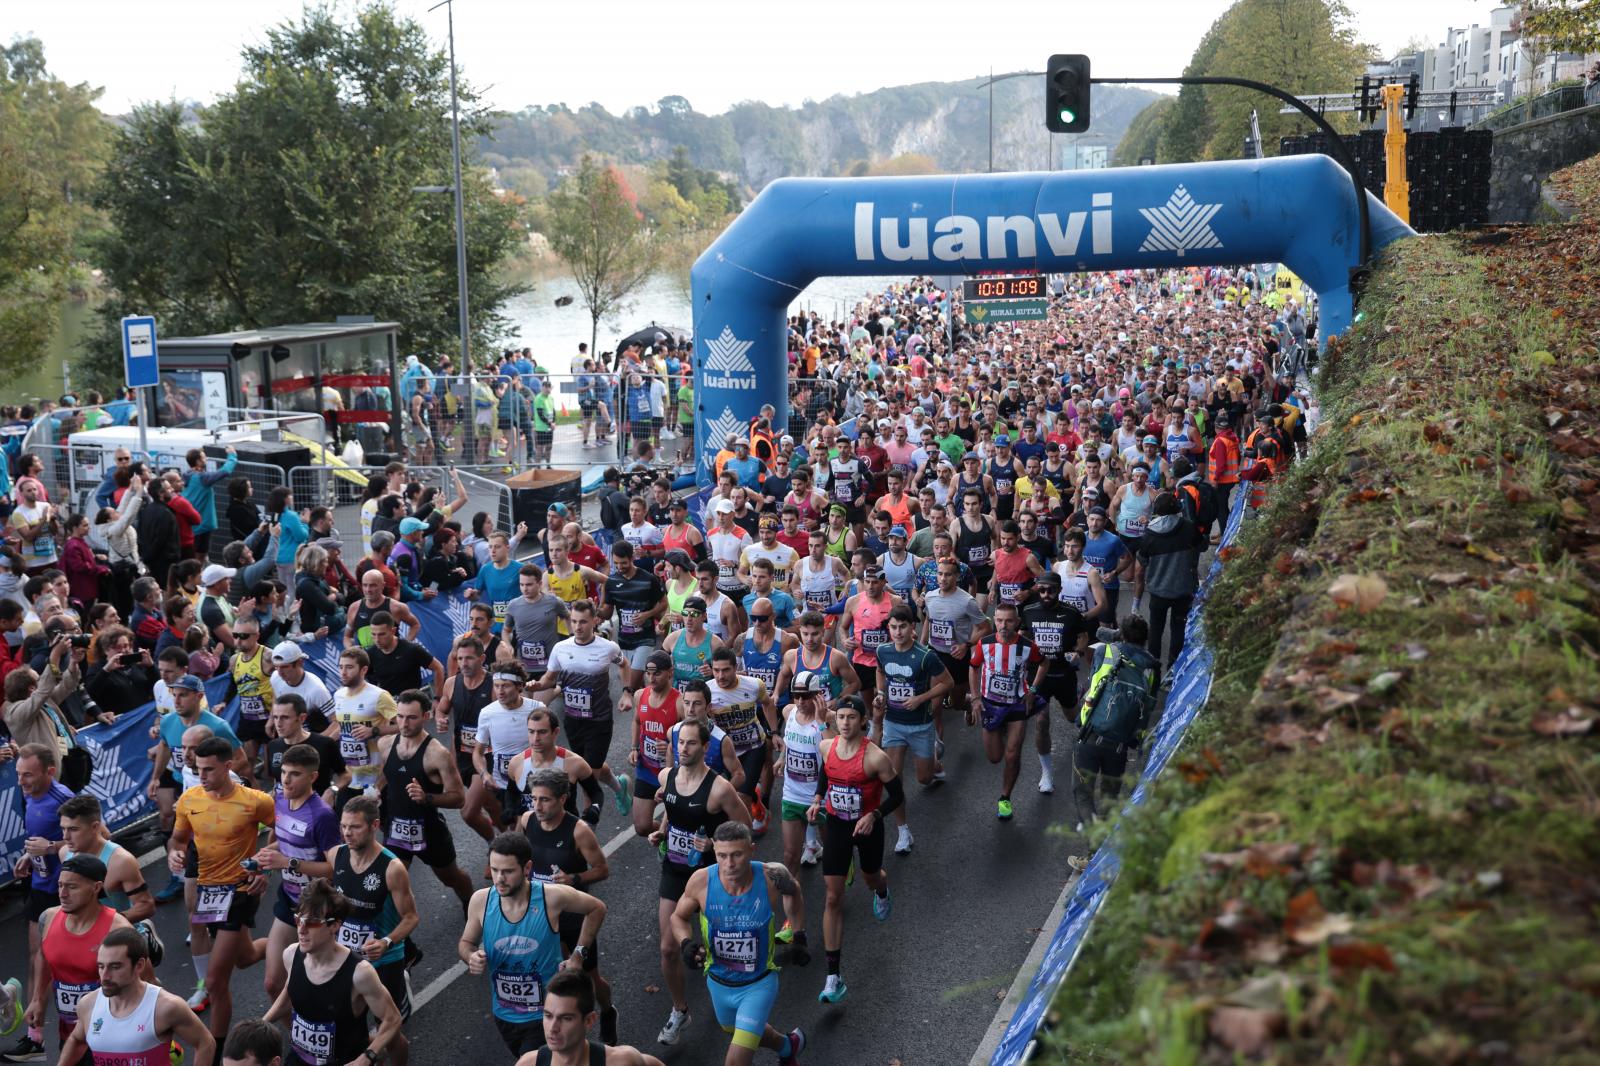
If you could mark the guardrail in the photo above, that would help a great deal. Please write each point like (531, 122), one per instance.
(1554, 102)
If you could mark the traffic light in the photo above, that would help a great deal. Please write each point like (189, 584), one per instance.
(1066, 94)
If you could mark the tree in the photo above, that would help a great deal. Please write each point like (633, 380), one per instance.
(1567, 25)
(594, 224)
(52, 143)
(293, 199)
(1144, 134)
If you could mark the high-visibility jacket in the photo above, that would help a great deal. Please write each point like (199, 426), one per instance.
(1225, 458)
(762, 446)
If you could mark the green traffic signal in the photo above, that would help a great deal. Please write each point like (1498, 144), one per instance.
(1067, 88)
(1067, 116)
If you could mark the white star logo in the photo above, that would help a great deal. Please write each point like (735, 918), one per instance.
(728, 354)
(1180, 225)
(717, 433)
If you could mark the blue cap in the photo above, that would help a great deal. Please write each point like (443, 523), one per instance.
(409, 525)
(1002, 441)
(190, 682)
(897, 531)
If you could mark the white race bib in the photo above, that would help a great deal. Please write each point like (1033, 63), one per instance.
(518, 992)
(405, 833)
(313, 1041)
(354, 934)
(735, 951)
(212, 903)
(353, 751)
(252, 707)
(578, 702)
(844, 800)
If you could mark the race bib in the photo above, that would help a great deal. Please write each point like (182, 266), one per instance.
(40, 864)
(978, 554)
(252, 707)
(844, 800)
(1080, 602)
(499, 607)
(843, 491)
(629, 620)
(44, 546)
(653, 750)
(67, 996)
(353, 751)
(942, 632)
(1002, 686)
(682, 846)
(1009, 591)
(1003, 486)
(313, 1041)
(405, 833)
(800, 765)
(468, 737)
(354, 934)
(177, 761)
(502, 763)
(899, 692)
(1048, 638)
(533, 653)
(1134, 527)
(818, 599)
(579, 702)
(212, 903)
(873, 638)
(735, 951)
(746, 736)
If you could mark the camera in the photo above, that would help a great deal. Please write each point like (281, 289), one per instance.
(80, 640)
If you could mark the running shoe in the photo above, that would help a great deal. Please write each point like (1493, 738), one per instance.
(25, 1051)
(624, 802)
(200, 1000)
(881, 906)
(833, 991)
(810, 853)
(902, 846)
(758, 815)
(154, 946)
(175, 1053)
(10, 1005)
(797, 1044)
(1047, 783)
(172, 891)
(673, 1030)
(1004, 811)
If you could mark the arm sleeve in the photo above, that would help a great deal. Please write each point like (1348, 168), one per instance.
(896, 796)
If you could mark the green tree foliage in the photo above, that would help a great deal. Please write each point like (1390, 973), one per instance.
(1143, 138)
(594, 224)
(1568, 25)
(292, 200)
(1302, 46)
(52, 143)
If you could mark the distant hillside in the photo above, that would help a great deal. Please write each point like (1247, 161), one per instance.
(939, 126)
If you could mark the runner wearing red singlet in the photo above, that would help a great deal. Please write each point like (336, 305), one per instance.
(1015, 567)
(657, 704)
(866, 620)
(71, 933)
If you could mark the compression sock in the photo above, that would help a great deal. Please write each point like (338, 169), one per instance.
(833, 962)
(786, 1048)
(201, 964)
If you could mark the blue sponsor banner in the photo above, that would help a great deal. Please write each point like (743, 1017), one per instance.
(1191, 685)
(121, 750)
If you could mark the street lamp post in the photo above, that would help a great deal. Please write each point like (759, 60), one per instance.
(461, 225)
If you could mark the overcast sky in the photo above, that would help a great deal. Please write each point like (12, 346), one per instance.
(714, 52)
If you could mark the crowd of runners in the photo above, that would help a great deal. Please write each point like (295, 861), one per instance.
(950, 540)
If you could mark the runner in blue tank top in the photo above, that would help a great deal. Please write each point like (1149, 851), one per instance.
(726, 923)
(512, 935)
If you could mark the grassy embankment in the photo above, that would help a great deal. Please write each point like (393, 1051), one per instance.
(1382, 842)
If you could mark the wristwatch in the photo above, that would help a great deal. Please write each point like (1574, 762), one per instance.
(585, 952)
(294, 866)
(372, 1056)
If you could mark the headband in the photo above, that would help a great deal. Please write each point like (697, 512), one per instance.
(500, 675)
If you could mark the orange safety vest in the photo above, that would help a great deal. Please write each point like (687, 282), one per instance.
(762, 446)
(1258, 494)
(1226, 470)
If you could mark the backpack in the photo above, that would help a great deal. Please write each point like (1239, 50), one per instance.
(1199, 502)
(1121, 696)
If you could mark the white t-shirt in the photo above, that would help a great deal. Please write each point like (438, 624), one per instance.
(584, 672)
(311, 689)
(504, 731)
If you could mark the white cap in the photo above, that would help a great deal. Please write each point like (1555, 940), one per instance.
(288, 652)
(214, 573)
(724, 507)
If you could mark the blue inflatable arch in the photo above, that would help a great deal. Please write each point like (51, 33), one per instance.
(1299, 211)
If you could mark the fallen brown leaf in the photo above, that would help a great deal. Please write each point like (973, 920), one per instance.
(1244, 1030)
(1450, 579)
(1361, 955)
(1364, 592)
(1572, 722)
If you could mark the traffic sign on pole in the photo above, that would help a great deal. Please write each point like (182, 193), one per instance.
(140, 362)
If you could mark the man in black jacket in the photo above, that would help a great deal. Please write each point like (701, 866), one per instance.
(157, 529)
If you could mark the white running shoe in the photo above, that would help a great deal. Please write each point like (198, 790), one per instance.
(810, 853)
(673, 1030)
(1047, 784)
(902, 846)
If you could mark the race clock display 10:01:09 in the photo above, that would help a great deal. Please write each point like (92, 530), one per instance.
(1003, 288)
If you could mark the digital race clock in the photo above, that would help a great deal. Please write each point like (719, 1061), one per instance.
(1024, 288)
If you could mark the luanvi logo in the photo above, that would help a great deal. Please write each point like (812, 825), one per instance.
(965, 237)
(1181, 225)
(728, 364)
(717, 433)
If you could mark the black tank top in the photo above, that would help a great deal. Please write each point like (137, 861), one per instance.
(325, 1027)
(367, 891)
(364, 618)
(403, 817)
(691, 814)
(975, 547)
(555, 849)
(959, 496)
(465, 703)
(597, 1055)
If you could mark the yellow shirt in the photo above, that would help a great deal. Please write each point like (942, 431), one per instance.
(568, 590)
(224, 830)
(1026, 489)
(370, 707)
(250, 677)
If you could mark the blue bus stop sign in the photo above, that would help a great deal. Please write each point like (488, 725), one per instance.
(140, 364)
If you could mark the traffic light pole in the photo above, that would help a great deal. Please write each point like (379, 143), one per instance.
(1335, 142)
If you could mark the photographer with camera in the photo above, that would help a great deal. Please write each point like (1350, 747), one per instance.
(34, 707)
(125, 676)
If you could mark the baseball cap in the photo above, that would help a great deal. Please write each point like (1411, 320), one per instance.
(695, 603)
(897, 531)
(1101, 511)
(1091, 494)
(661, 660)
(189, 682)
(287, 652)
(724, 507)
(85, 866)
(1049, 577)
(973, 456)
(214, 573)
(874, 573)
(558, 507)
(410, 525)
(807, 683)
(1002, 441)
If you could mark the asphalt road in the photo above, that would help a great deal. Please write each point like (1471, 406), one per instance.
(924, 986)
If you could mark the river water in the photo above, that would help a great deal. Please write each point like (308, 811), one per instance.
(554, 332)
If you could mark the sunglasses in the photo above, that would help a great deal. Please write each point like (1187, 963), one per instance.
(311, 923)
(761, 618)
(693, 613)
